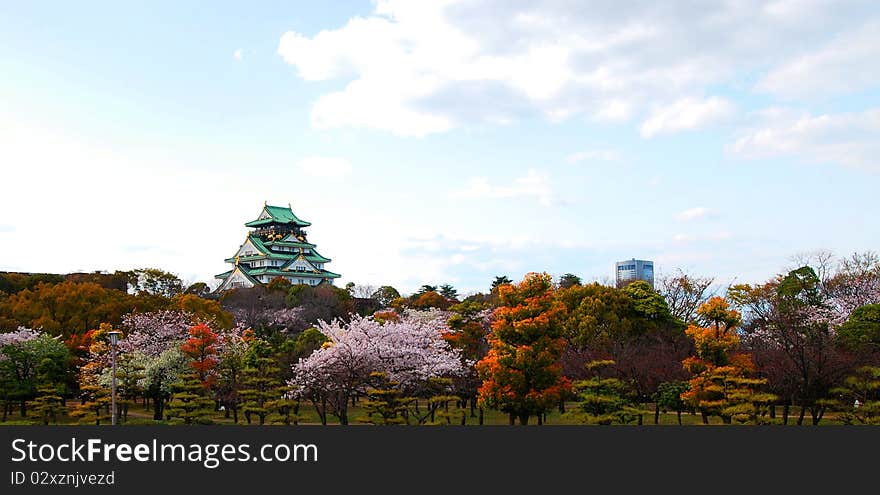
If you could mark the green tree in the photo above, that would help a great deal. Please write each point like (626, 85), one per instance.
(48, 407)
(501, 280)
(449, 292)
(603, 400)
(858, 399)
(384, 295)
(189, 401)
(26, 366)
(260, 383)
(307, 342)
(385, 403)
(668, 398)
(95, 406)
(862, 330)
(569, 280)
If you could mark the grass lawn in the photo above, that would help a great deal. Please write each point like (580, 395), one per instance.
(137, 415)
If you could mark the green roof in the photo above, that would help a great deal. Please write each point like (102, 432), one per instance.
(278, 214)
(275, 271)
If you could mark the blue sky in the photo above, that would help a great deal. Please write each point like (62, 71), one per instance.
(440, 142)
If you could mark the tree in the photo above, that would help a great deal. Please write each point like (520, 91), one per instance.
(307, 342)
(385, 404)
(202, 310)
(202, 353)
(791, 319)
(448, 292)
(521, 373)
(322, 302)
(631, 327)
(199, 289)
(48, 407)
(154, 281)
(425, 288)
(95, 406)
(384, 295)
(410, 351)
(858, 399)
(30, 360)
(668, 398)
(501, 280)
(603, 400)
(862, 330)
(469, 326)
(684, 294)
(67, 308)
(260, 383)
(721, 384)
(431, 299)
(230, 371)
(569, 280)
(189, 400)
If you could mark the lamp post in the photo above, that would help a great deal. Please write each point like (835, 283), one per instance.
(114, 339)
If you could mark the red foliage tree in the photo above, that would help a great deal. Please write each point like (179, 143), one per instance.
(200, 349)
(521, 374)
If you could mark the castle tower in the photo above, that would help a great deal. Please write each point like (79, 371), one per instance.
(276, 247)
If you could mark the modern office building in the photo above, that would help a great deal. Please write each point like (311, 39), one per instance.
(630, 270)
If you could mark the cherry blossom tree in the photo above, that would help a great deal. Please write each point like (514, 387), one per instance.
(411, 352)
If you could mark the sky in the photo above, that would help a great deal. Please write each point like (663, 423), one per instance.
(440, 141)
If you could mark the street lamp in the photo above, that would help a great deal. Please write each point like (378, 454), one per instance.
(114, 339)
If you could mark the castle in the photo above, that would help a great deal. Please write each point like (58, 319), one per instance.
(276, 247)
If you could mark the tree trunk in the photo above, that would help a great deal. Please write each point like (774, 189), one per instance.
(657, 414)
(23, 408)
(512, 419)
(772, 411)
(540, 419)
(473, 406)
(640, 419)
(817, 414)
(481, 417)
(800, 420)
(561, 406)
(678, 413)
(705, 417)
(157, 408)
(235, 415)
(785, 409)
(523, 419)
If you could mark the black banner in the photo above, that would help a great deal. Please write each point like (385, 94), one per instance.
(166, 460)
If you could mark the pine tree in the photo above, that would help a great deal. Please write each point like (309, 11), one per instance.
(603, 401)
(283, 410)
(260, 388)
(385, 403)
(95, 406)
(189, 401)
(48, 406)
(858, 401)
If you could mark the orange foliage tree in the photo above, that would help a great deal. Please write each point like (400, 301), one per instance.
(521, 373)
(200, 349)
(722, 383)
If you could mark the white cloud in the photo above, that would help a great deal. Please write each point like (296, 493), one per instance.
(697, 213)
(599, 155)
(417, 68)
(238, 54)
(847, 63)
(533, 185)
(686, 114)
(850, 139)
(325, 167)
